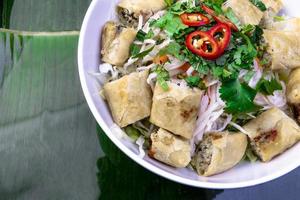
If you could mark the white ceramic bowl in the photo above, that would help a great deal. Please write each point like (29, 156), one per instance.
(243, 175)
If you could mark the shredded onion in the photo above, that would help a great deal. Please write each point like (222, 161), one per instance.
(257, 75)
(238, 127)
(140, 142)
(140, 24)
(211, 109)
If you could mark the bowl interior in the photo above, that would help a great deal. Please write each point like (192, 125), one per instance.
(244, 174)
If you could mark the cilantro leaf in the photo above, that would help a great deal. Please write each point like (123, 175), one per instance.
(144, 53)
(134, 49)
(248, 76)
(238, 97)
(185, 7)
(171, 23)
(268, 87)
(259, 4)
(162, 77)
(256, 35)
(142, 36)
(169, 2)
(172, 49)
(193, 81)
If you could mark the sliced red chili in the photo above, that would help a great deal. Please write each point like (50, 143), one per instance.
(203, 44)
(194, 19)
(219, 18)
(222, 34)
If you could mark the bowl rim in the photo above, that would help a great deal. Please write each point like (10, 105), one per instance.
(136, 158)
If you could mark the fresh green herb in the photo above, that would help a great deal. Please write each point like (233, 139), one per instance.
(264, 62)
(172, 49)
(193, 81)
(180, 36)
(248, 76)
(253, 32)
(278, 18)
(259, 4)
(232, 17)
(144, 53)
(132, 132)
(169, 2)
(142, 36)
(134, 49)
(143, 127)
(256, 36)
(149, 35)
(198, 63)
(247, 29)
(249, 155)
(162, 77)
(268, 87)
(171, 23)
(216, 5)
(185, 7)
(238, 97)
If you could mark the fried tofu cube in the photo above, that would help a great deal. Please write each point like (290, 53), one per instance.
(176, 109)
(129, 98)
(170, 149)
(219, 152)
(272, 133)
(116, 41)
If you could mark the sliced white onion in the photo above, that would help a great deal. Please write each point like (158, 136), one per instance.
(238, 127)
(140, 142)
(151, 80)
(257, 75)
(141, 21)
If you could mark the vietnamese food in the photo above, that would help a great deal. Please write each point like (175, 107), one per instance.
(203, 84)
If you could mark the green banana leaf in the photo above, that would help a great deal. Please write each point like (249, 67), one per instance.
(48, 139)
(43, 15)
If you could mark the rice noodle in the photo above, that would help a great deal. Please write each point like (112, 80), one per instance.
(211, 109)
(151, 80)
(190, 71)
(143, 68)
(238, 127)
(173, 63)
(156, 16)
(140, 142)
(106, 73)
(140, 24)
(257, 75)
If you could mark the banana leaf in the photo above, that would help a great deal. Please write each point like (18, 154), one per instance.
(48, 139)
(43, 15)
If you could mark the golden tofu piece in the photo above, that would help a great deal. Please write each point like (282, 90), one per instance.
(218, 152)
(245, 11)
(116, 41)
(129, 98)
(129, 10)
(284, 49)
(272, 133)
(176, 109)
(170, 149)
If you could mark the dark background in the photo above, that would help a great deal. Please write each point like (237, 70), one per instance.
(50, 145)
